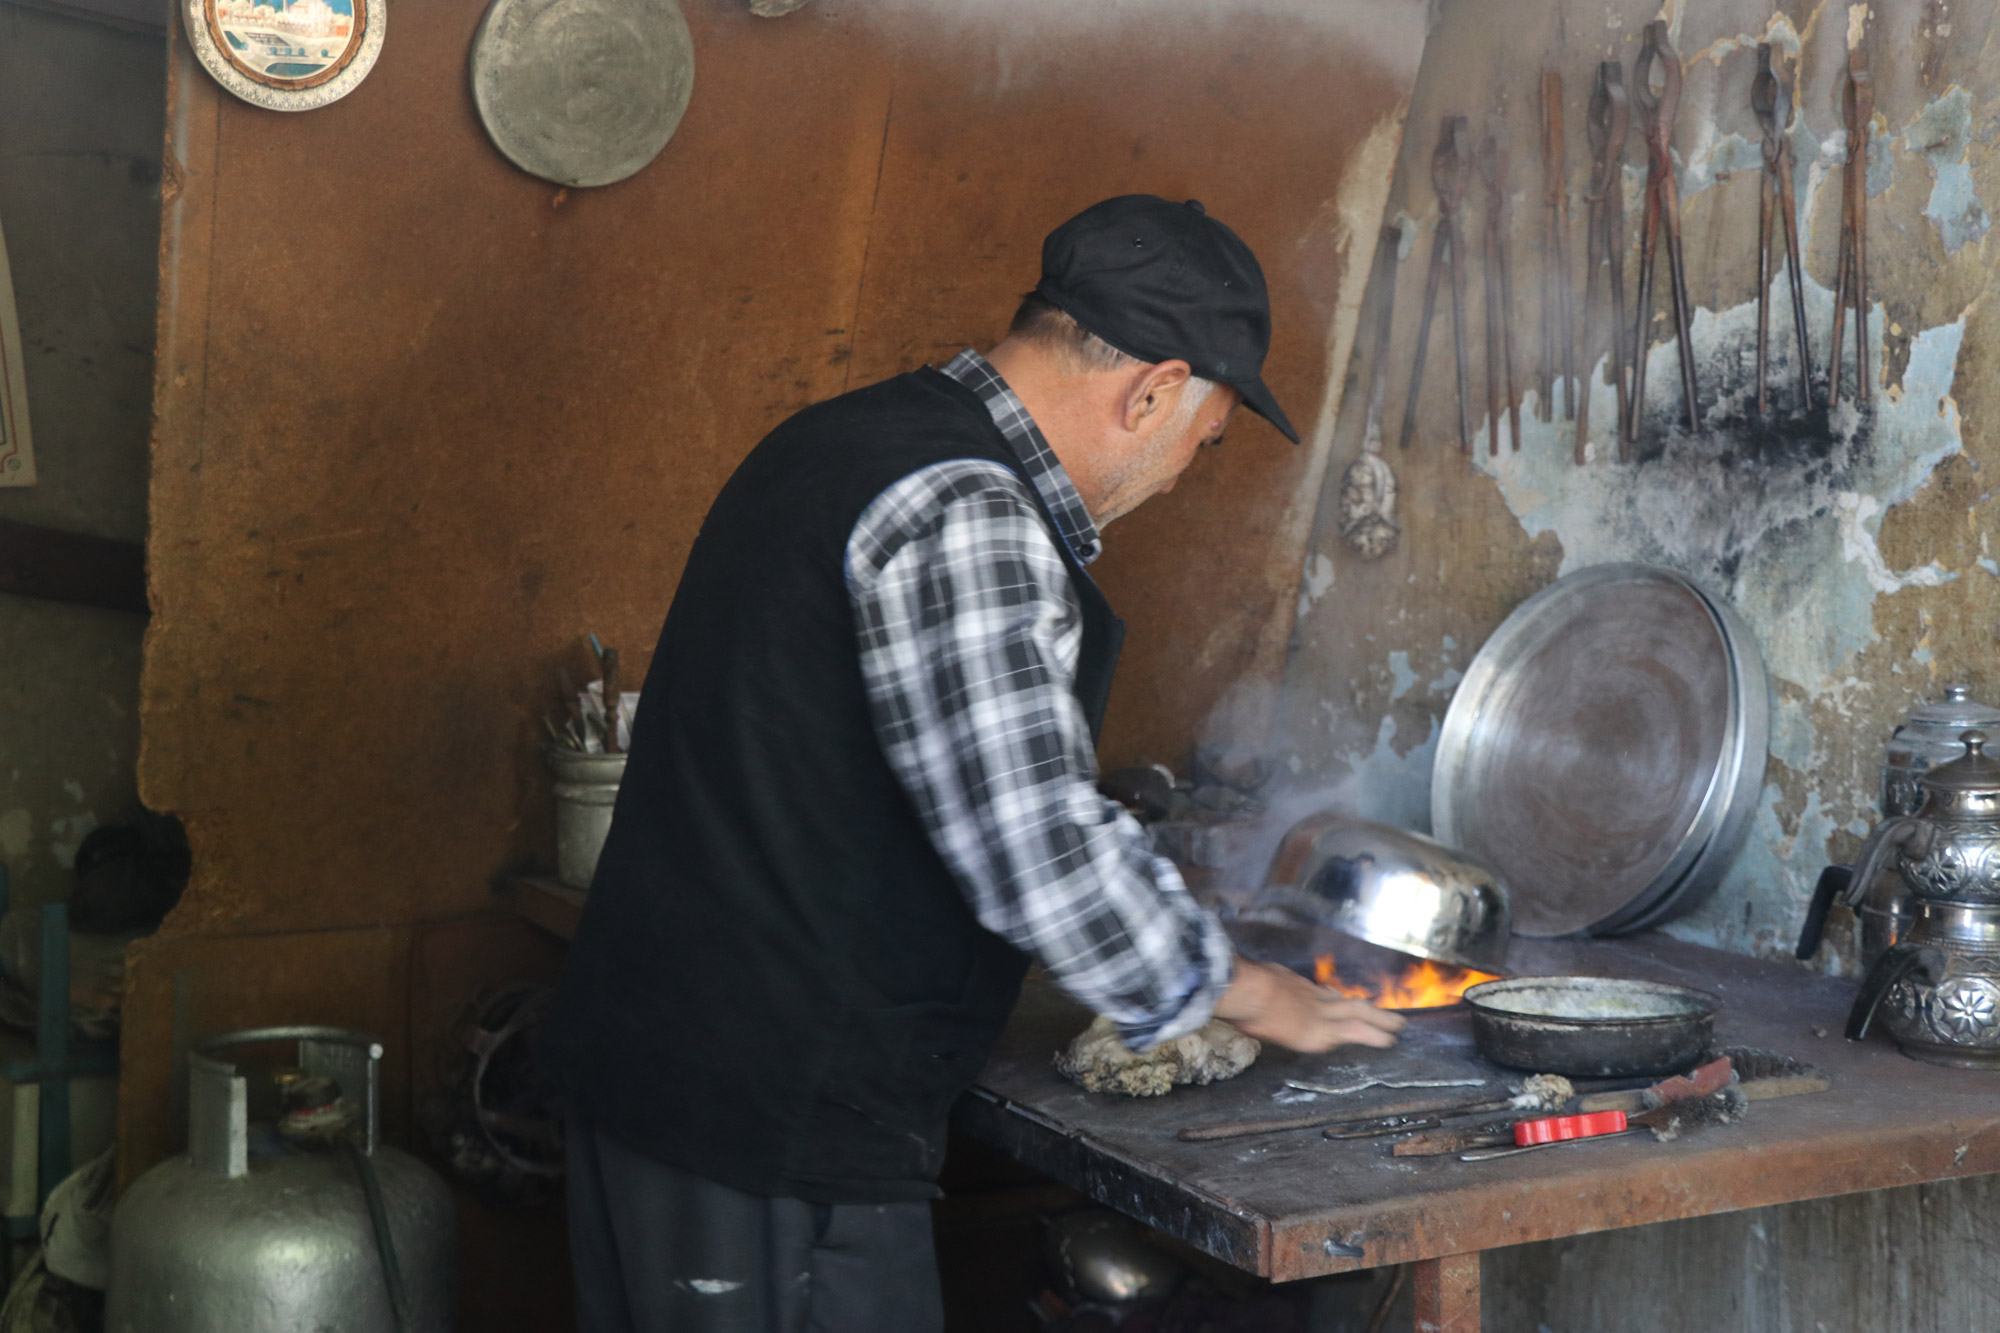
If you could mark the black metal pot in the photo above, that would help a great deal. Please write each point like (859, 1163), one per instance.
(1591, 1027)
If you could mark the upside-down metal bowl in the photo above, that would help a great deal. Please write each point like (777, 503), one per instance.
(1390, 887)
(1591, 1027)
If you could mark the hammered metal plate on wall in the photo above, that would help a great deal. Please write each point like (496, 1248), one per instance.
(287, 55)
(582, 92)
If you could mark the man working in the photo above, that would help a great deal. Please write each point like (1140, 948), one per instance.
(860, 799)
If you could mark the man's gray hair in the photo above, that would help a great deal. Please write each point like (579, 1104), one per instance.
(1041, 321)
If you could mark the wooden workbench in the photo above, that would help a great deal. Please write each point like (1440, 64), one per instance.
(1297, 1205)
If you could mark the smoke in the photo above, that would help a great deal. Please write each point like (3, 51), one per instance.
(1389, 33)
(1247, 799)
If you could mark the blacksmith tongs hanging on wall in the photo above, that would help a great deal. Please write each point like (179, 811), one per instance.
(1662, 210)
(1609, 120)
(1558, 316)
(1772, 102)
(1451, 168)
(1852, 282)
(1499, 291)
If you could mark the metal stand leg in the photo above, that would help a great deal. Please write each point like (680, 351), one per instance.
(52, 1048)
(1447, 1291)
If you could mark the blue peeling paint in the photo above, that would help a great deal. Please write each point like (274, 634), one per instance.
(1730, 153)
(1942, 134)
(1392, 787)
(1773, 878)
(1793, 737)
(1399, 670)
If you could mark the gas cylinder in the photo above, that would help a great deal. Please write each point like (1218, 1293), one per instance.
(302, 1222)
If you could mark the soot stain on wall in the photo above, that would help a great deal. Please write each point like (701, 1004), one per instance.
(1779, 514)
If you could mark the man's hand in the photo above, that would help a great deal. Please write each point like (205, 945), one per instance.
(1276, 1004)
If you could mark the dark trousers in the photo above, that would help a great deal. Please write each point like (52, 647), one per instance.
(660, 1250)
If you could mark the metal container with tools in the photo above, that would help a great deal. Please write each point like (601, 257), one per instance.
(306, 1222)
(1390, 887)
(586, 789)
(1591, 1027)
(1605, 750)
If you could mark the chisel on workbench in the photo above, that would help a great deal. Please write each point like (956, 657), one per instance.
(1538, 1092)
(1705, 1081)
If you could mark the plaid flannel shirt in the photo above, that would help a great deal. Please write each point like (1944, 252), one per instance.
(969, 634)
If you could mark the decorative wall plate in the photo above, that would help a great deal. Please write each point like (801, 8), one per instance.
(287, 55)
(582, 92)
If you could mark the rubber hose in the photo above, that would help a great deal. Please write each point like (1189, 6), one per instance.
(385, 1244)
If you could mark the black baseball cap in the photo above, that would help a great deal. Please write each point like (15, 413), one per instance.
(1162, 282)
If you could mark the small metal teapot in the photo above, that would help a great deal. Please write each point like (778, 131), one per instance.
(1929, 736)
(1949, 850)
(1940, 987)
(1885, 908)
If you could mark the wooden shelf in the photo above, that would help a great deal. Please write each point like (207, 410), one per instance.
(546, 902)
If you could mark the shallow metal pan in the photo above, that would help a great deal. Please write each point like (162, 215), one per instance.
(1591, 1027)
(1739, 780)
(1605, 749)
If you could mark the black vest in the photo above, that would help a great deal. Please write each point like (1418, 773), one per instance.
(777, 984)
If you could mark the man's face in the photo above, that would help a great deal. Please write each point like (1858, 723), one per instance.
(1154, 458)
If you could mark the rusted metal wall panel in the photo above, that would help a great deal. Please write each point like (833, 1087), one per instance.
(423, 421)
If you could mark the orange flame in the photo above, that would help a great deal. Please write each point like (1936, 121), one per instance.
(1422, 985)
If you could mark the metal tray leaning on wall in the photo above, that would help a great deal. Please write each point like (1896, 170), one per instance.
(1605, 751)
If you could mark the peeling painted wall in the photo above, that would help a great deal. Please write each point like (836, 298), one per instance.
(1862, 549)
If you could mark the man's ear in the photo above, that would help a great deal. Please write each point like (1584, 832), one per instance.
(1147, 391)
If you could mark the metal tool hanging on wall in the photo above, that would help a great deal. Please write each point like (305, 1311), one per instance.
(1451, 167)
(1609, 121)
(1663, 212)
(1499, 292)
(1851, 286)
(1772, 101)
(1368, 487)
(1558, 315)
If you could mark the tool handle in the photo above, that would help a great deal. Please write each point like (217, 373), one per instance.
(1244, 1128)
(1789, 1085)
(1433, 1106)
(1556, 1128)
(1900, 961)
(1833, 883)
(1631, 1103)
(612, 701)
(1445, 1142)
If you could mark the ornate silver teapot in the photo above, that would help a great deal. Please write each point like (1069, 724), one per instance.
(1938, 990)
(1929, 736)
(1885, 909)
